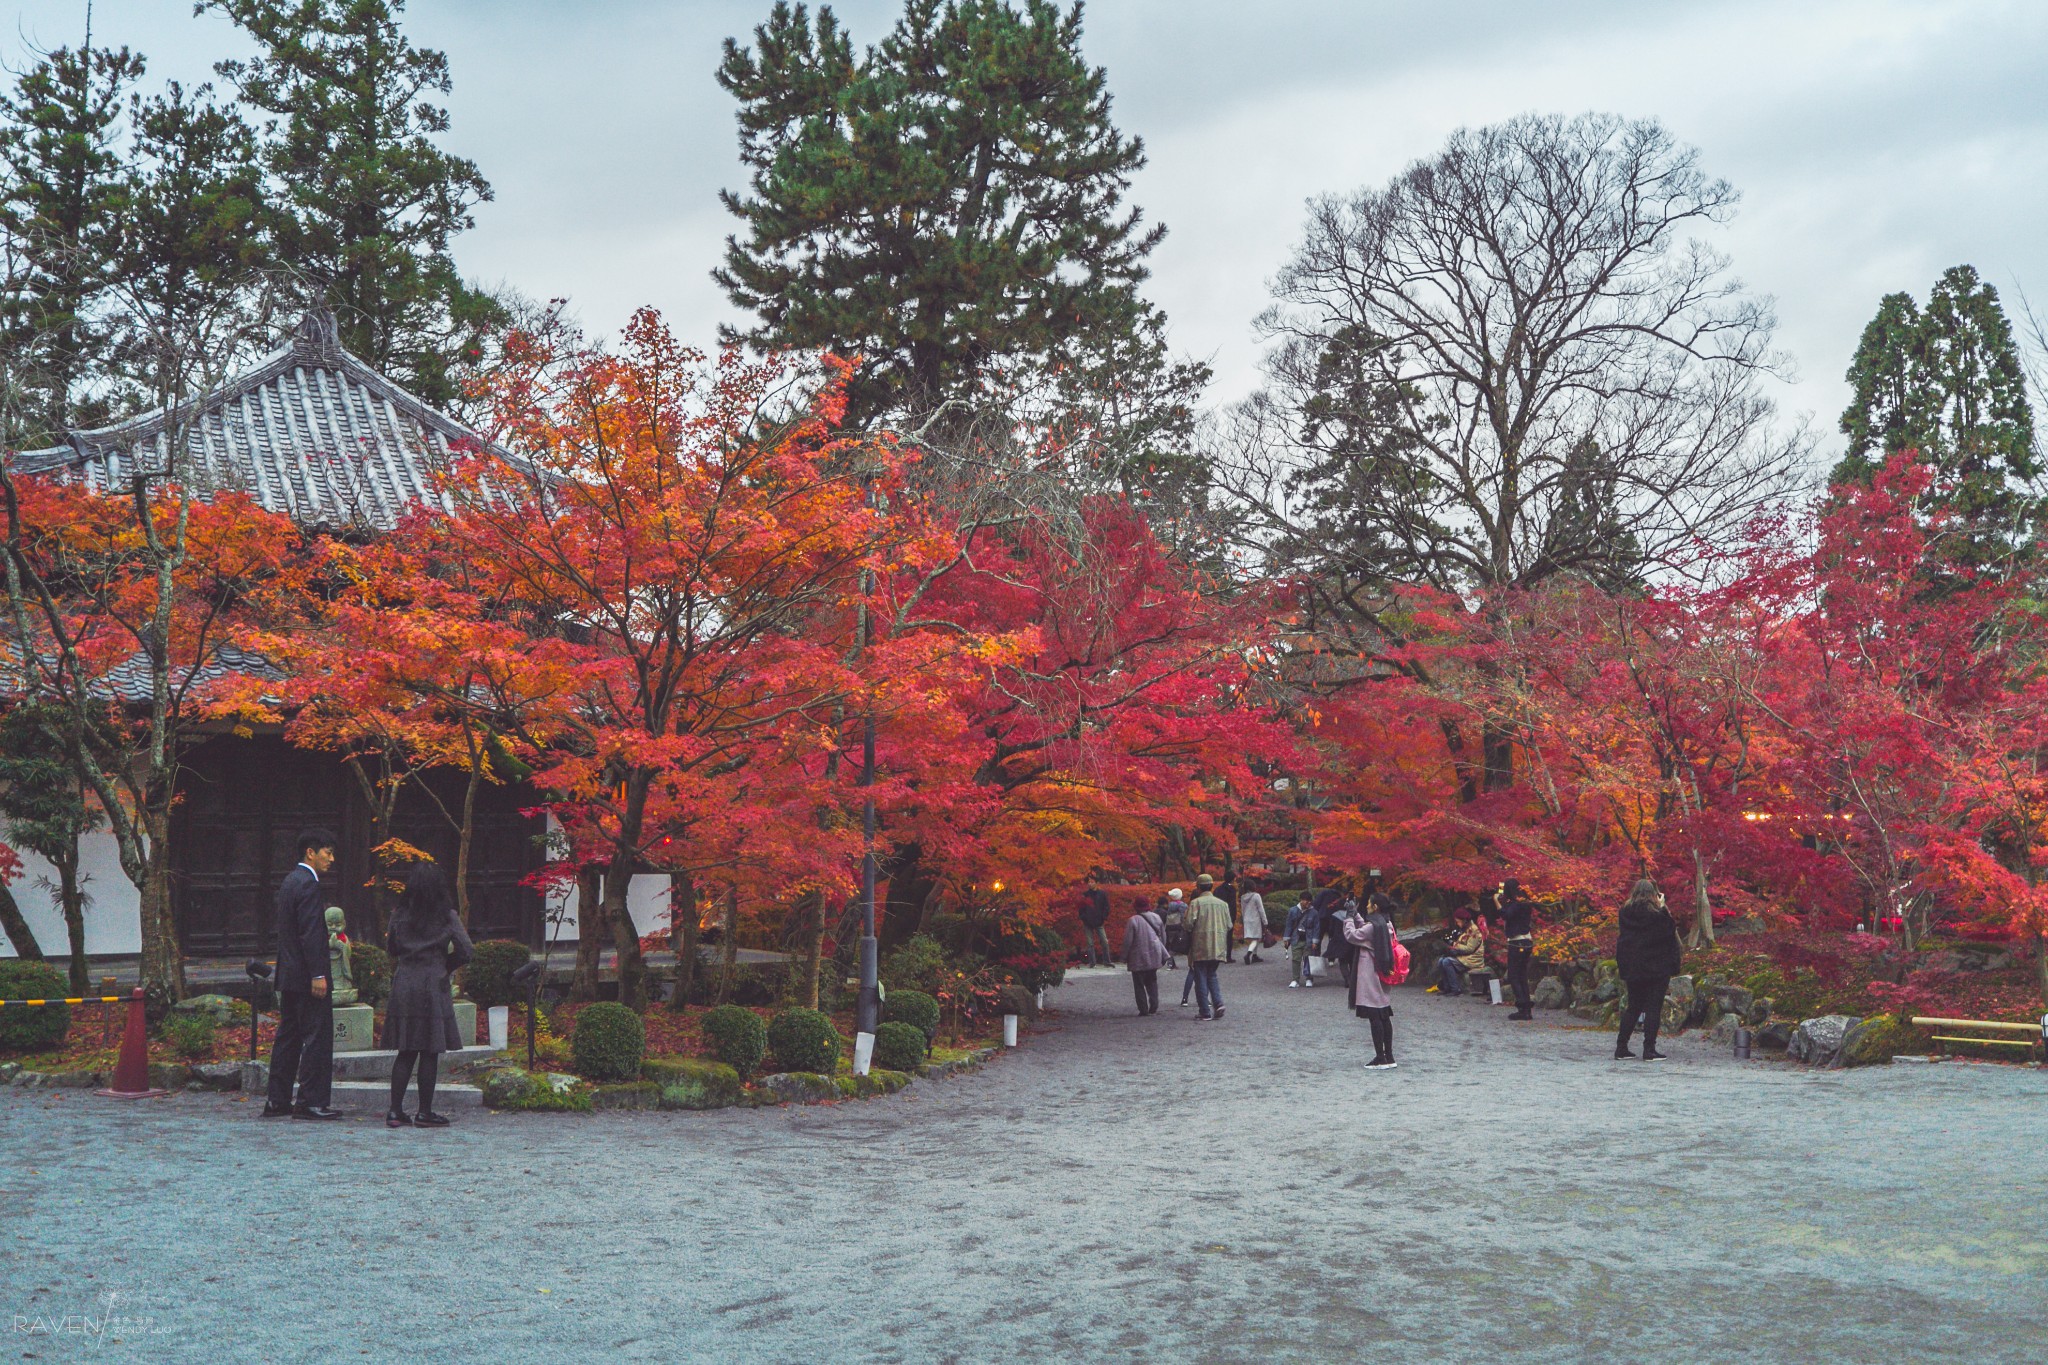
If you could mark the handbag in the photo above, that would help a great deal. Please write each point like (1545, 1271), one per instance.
(1315, 962)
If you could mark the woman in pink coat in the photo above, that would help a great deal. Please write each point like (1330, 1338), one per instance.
(1373, 935)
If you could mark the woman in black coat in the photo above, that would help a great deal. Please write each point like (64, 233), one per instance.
(1647, 955)
(426, 942)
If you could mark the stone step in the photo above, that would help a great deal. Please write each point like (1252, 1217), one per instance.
(375, 1063)
(362, 1094)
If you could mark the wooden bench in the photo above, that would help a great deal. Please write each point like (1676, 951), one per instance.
(2027, 1036)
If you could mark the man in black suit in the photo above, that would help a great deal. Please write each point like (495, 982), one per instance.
(305, 1016)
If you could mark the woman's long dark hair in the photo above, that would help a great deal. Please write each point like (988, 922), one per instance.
(1643, 896)
(426, 902)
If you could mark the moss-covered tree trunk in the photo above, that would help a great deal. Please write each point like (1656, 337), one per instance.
(813, 948)
(589, 935)
(683, 934)
(728, 944)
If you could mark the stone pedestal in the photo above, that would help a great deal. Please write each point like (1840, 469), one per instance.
(465, 1021)
(355, 1028)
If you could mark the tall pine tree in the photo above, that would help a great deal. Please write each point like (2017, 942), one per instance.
(60, 179)
(367, 202)
(191, 243)
(1947, 381)
(949, 206)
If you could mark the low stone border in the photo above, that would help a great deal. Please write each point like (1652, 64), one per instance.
(680, 1083)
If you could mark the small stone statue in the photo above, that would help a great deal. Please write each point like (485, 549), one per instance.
(342, 976)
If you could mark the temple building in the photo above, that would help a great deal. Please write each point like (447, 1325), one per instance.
(314, 433)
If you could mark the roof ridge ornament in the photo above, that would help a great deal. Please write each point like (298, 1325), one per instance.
(317, 338)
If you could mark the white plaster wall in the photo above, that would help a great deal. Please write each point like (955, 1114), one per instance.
(646, 902)
(113, 909)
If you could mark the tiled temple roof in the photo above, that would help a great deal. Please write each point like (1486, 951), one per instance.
(310, 432)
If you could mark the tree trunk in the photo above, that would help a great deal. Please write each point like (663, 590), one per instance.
(589, 937)
(463, 836)
(683, 932)
(163, 964)
(2041, 967)
(18, 933)
(1498, 749)
(813, 948)
(728, 944)
(73, 902)
(1702, 935)
(625, 938)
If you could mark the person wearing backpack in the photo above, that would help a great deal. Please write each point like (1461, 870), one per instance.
(1144, 950)
(1382, 962)
(1173, 921)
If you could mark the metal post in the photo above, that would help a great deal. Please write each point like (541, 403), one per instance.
(868, 1012)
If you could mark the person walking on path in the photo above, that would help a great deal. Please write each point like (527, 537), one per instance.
(1372, 934)
(1515, 912)
(1173, 914)
(1208, 941)
(303, 1051)
(1463, 955)
(1304, 929)
(1094, 915)
(1338, 907)
(1251, 908)
(426, 942)
(1647, 955)
(1144, 951)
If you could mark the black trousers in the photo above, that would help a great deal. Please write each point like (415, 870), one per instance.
(304, 1050)
(1518, 973)
(1145, 985)
(1645, 1003)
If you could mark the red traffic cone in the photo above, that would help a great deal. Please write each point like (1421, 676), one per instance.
(131, 1073)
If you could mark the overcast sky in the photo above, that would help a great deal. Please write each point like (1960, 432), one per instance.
(1875, 142)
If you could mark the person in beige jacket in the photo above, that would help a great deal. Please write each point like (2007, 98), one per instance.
(1208, 945)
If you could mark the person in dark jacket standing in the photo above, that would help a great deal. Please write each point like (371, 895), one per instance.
(1647, 954)
(303, 1051)
(1094, 915)
(426, 942)
(1516, 912)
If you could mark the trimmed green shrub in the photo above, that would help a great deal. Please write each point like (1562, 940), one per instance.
(914, 1008)
(899, 1046)
(608, 1043)
(373, 973)
(190, 1035)
(804, 1040)
(487, 979)
(27, 1028)
(919, 965)
(738, 1037)
(535, 1092)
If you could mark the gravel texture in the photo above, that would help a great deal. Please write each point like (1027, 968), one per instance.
(1119, 1189)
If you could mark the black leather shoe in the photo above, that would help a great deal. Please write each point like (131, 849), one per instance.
(275, 1111)
(397, 1118)
(314, 1111)
(1622, 1053)
(1650, 1055)
(427, 1118)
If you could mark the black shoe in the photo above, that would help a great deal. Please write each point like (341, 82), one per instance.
(314, 1111)
(275, 1111)
(1522, 1015)
(427, 1118)
(1622, 1053)
(397, 1118)
(1651, 1055)
(1219, 1011)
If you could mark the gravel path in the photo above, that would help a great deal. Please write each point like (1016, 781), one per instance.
(1120, 1189)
